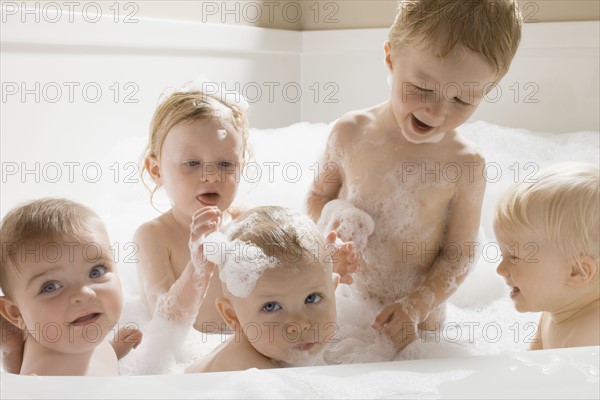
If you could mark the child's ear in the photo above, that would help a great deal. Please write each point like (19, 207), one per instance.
(388, 55)
(10, 311)
(335, 277)
(152, 166)
(583, 272)
(227, 312)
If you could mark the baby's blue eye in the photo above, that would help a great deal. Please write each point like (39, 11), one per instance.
(313, 298)
(49, 287)
(226, 164)
(270, 307)
(192, 163)
(97, 271)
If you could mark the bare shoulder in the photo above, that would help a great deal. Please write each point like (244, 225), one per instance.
(232, 356)
(468, 157)
(156, 228)
(465, 149)
(353, 123)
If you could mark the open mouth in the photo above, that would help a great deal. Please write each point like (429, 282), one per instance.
(86, 319)
(305, 346)
(420, 126)
(209, 199)
(514, 292)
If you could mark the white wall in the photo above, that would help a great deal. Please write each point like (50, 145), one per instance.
(53, 116)
(290, 76)
(552, 86)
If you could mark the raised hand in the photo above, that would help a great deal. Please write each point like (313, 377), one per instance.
(345, 258)
(351, 224)
(126, 338)
(204, 221)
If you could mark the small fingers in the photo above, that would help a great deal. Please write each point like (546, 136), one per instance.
(330, 237)
(382, 318)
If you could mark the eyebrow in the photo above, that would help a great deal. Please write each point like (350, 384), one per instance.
(265, 295)
(423, 76)
(40, 274)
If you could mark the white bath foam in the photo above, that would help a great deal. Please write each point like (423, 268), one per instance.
(354, 223)
(481, 300)
(222, 134)
(283, 166)
(481, 327)
(167, 348)
(240, 263)
(513, 155)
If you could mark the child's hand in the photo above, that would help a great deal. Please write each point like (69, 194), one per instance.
(345, 258)
(399, 322)
(350, 223)
(204, 221)
(126, 338)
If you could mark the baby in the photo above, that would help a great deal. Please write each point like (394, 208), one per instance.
(398, 179)
(61, 290)
(549, 233)
(278, 290)
(196, 151)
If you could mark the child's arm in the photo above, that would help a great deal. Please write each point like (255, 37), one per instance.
(170, 298)
(328, 182)
(452, 264)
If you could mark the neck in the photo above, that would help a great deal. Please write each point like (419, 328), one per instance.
(181, 221)
(575, 310)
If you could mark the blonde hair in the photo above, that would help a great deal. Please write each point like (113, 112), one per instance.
(282, 233)
(491, 28)
(190, 106)
(562, 204)
(48, 218)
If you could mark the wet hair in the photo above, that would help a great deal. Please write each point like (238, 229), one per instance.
(491, 28)
(48, 218)
(561, 205)
(285, 234)
(187, 107)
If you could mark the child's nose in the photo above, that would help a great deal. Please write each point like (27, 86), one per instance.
(82, 294)
(436, 110)
(501, 269)
(298, 326)
(211, 172)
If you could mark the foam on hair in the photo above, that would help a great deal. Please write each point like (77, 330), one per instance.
(264, 237)
(186, 106)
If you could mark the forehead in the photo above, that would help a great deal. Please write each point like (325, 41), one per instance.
(517, 237)
(208, 132)
(40, 249)
(298, 275)
(460, 66)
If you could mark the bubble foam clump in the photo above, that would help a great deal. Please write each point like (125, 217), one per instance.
(240, 264)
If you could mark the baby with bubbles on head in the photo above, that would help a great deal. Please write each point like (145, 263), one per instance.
(276, 269)
(197, 149)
